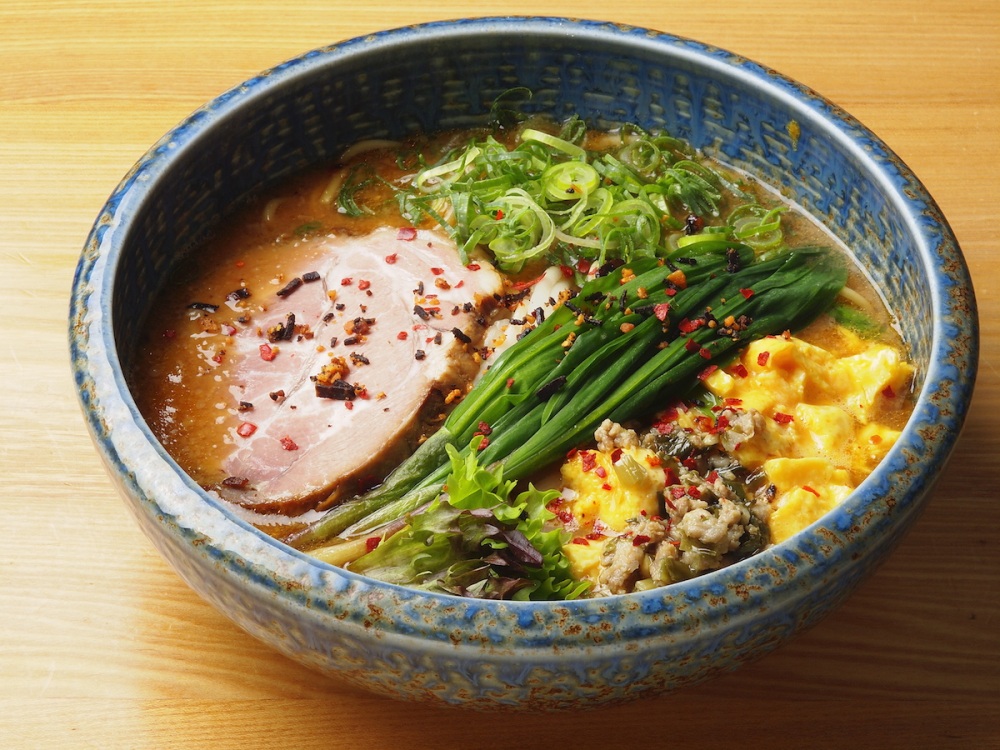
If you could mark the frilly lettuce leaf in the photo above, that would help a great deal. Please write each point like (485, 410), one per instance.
(475, 540)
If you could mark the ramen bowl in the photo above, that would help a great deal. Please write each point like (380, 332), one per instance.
(416, 645)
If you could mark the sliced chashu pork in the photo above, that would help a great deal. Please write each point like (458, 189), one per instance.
(335, 372)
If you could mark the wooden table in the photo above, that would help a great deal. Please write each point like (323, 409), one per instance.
(102, 645)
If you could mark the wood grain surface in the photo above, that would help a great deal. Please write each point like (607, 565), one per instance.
(102, 645)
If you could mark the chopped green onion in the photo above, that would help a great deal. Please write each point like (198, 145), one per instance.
(570, 181)
(530, 134)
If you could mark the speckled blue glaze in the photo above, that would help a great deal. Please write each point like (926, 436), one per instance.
(410, 644)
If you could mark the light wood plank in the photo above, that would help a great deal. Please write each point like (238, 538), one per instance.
(103, 646)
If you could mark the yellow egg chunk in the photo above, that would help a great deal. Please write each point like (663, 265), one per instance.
(584, 558)
(822, 431)
(877, 373)
(807, 488)
(607, 494)
(874, 441)
(612, 493)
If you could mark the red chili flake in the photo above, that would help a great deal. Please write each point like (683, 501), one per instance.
(218, 356)
(510, 382)
(704, 374)
(640, 539)
(346, 281)
(580, 540)
(372, 542)
(595, 535)
(661, 311)
(364, 284)
(229, 330)
(567, 271)
(762, 359)
(782, 418)
(520, 286)
(691, 345)
(588, 460)
(705, 353)
(606, 487)
(712, 476)
(677, 492)
(888, 392)
(499, 214)
(694, 492)
(616, 455)
(246, 429)
(267, 353)
(485, 429)
(733, 402)
(747, 293)
(391, 259)
(690, 463)
(349, 405)
(473, 266)
(601, 472)
(653, 461)
(402, 335)
(484, 443)
(572, 453)
(807, 488)
(460, 284)
(288, 444)
(670, 292)
(564, 516)
(406, 233)
(741, 372)
(437, 271)
(690, 326)
(670, 414)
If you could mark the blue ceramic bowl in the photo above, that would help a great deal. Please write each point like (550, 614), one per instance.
(410, 644)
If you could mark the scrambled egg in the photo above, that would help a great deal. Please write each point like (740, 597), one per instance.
(603, 494)
(816, 435)
(819, 435)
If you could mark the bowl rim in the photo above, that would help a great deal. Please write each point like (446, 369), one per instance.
(947, 385)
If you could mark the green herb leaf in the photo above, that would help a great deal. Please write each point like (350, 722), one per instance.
(474, 539)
